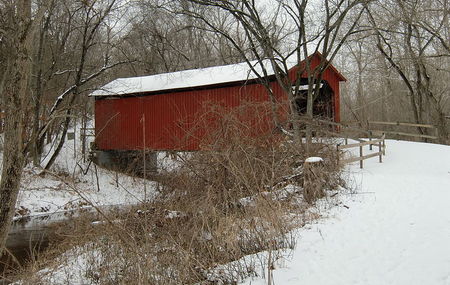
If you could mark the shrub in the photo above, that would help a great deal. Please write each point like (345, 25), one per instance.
(240, 195)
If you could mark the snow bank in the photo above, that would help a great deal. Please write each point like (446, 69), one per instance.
(394, 230)
(74, 185)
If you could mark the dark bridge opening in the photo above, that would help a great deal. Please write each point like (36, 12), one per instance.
(323, 103)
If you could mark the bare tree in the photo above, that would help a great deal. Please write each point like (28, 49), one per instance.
(17, 35)
(161, 42)
(92, 17)
(68, 33)
(294, 30)
(412, 41)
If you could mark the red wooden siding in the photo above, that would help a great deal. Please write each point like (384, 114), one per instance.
(117, 123)
(171, 118)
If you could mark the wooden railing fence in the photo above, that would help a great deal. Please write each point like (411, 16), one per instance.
(347, 133)
(89, 132)
(380, 143)
(374, 128)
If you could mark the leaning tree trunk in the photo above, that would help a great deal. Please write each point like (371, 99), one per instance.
(15, 95)
(13, 162)
(61, 141)
(13, 149)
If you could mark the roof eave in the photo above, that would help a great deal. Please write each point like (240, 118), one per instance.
(184, 89)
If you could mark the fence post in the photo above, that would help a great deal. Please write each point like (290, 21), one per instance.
(337, 151)
(380, 151)
(384, 144)
(361, 155)
(370, 139)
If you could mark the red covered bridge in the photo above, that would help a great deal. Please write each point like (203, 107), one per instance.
(146, 112)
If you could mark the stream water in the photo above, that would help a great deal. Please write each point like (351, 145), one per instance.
(30, 235)
(27, 237)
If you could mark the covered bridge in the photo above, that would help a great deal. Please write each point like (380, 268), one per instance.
(146, 112)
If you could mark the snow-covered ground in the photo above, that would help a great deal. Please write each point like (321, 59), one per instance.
(44, 195)
(72, 183)
(394, 230)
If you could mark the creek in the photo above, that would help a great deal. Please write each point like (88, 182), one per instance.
(29, 236)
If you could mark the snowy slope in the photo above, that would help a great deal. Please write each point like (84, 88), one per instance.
(396, 229)
(74, 185)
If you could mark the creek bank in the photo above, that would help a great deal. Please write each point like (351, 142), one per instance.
(31, 235)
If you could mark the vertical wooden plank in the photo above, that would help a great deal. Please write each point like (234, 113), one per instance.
(361, 155)
(381, 152)
(338, 153)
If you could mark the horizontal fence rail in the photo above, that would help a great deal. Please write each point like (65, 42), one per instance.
(406, 134)
(88, 132)
(402, 124)
(411, 134)
(377, 142)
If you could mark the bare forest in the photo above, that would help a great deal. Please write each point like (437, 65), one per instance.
(394, 54)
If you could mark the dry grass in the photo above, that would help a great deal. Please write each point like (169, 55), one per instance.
(241, 195)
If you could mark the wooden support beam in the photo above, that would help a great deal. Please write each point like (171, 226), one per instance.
(402, 124)
(360, 144)
(408, 134)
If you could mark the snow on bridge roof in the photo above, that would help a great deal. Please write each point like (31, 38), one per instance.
(184, 79)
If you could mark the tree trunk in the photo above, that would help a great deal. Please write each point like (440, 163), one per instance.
(37, 142)
(310, 116)
(83, 132)
(15, 95)
(61, 141)
(13, 157)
